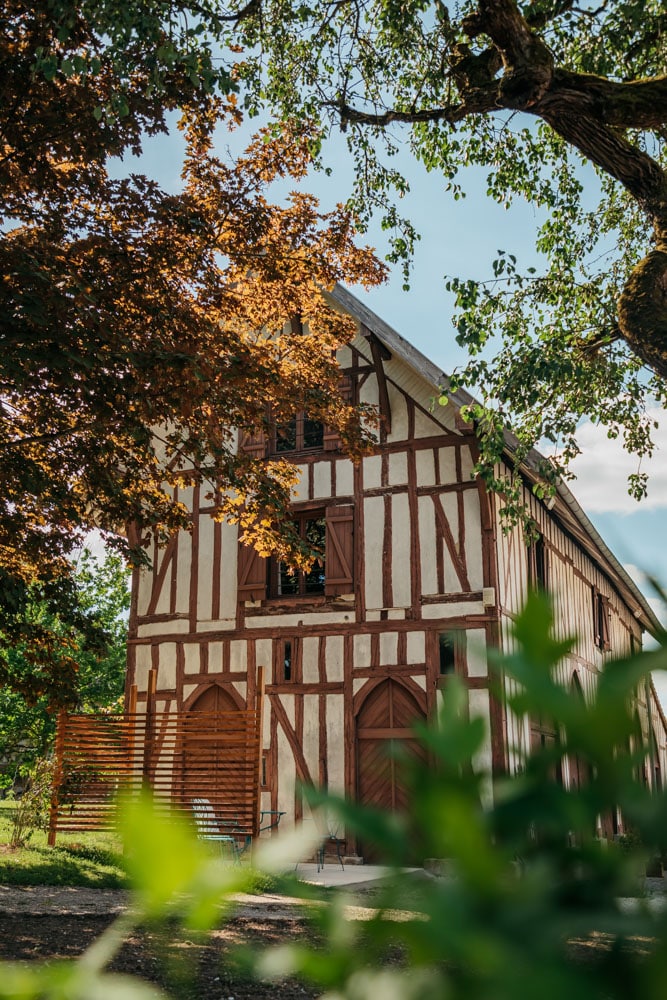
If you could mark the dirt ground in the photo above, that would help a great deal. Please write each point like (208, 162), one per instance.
(187, 969)
(43, 923)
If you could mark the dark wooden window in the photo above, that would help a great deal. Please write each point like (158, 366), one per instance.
(284, 582)
(447, 653)
(299, 434)
(330, 531)
(287, 661)
(537, 564)
(601, 612)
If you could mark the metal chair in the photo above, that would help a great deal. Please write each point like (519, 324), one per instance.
(210, 829)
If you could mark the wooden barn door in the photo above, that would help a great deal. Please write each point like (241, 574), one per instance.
(385, 719)
(213, 734)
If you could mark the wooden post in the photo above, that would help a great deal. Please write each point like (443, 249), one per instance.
(131, 730)
(57, 777)
(150, 724)
(259, 722)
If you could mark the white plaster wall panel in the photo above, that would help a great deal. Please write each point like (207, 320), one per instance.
(388, 648)
(344, 357)
(454, 610)
(473, 532)
(449, 504)
(398, 468)
(334, 657)
(369, 391)
(467, 464)
(447, 464)
(476, 655)
(205, 569)
(425, 467)
(362, 651)
(374, 539)
(192, 659)
(396, 614)
(300, 490)
(420, 681)
(215, 657)
(166, 672)
(344, 477)
(400, 556)
(183, 572)
(144, 591)
(429, 573)
(357, 684)
(309, 659)
(322, 479)
(185, 494)
(162, 605)
(238, 655)
(416, 647)
(479, 708)
(311, 734)
(241, 689)
(287, 701)
(142, 666)
(399, 414)
(299, 619)
(160, 628)
(264, 657)
(425, 425)
(286, 776)
(266, 724)
(228, 564)
(336, 743)
(189, 689)
(372, 472)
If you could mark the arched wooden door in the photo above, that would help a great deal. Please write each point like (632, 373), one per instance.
(386, 718)
(214, 762)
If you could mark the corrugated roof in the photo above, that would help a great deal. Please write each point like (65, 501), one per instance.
(566, 509)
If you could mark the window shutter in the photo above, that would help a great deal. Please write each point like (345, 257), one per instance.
(331, 439)
(339, 561)
(252, 574)
(253, 444)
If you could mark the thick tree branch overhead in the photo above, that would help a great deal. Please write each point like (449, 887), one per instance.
(565, 104)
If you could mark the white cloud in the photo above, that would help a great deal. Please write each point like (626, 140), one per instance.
(603, 468)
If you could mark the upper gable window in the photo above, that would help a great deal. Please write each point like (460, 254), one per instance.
(538, 564)
(601, 616)
(299, 434)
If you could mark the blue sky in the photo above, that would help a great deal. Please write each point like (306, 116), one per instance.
(461, 238)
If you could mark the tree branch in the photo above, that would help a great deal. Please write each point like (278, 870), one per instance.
(480, 101)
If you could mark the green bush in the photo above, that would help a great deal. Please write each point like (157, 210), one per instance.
(32, 809)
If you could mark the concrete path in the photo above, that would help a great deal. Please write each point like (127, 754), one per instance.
(42, 900)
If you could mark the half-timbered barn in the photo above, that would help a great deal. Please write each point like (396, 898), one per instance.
(419, 580)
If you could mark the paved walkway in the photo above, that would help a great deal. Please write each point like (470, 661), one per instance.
(81, 901)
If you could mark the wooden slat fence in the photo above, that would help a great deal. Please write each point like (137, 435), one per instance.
(180, 756)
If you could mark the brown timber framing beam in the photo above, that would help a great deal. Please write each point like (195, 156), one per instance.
(380, 353)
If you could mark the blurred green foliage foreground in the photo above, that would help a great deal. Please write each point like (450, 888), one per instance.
(528, 878)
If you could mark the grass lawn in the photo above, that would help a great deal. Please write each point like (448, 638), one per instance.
(88, 859)
(94, 860)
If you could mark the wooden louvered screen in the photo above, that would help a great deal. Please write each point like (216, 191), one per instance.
(180, 755)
